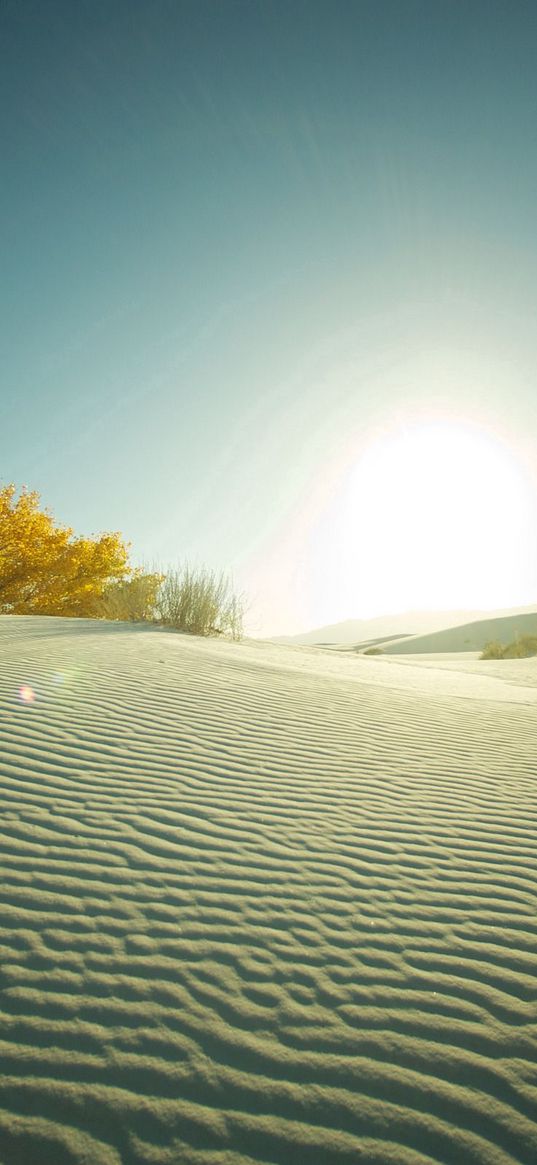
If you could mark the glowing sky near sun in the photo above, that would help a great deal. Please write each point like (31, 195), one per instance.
(440, 513)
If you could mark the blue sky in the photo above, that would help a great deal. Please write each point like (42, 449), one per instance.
(241, 241)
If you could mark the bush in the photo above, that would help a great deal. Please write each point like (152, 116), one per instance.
(373, 651)
(199, 601)
(492, 650)
(132, 600)
(522, 648)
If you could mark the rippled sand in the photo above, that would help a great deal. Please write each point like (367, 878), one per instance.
(263, 904)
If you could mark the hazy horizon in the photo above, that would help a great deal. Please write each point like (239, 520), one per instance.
(267, 302)
(411, 622)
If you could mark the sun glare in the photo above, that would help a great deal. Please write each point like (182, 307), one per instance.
(431, 515)
(26, 694)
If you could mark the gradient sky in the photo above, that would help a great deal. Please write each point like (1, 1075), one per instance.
(242, 243)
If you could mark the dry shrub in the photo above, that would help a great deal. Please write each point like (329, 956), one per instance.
(522, 647)
(200, 601)
(492, 650)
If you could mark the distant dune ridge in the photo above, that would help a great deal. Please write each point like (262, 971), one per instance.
(359, 630)
(482, 627)
(468, 637)
(264, 904)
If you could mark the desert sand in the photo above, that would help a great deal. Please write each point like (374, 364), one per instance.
(469, 637)
(264, 903)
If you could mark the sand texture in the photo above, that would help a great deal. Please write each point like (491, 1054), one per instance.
(264, 904)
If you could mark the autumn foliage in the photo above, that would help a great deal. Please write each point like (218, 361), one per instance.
(132, 600)
(45, 569)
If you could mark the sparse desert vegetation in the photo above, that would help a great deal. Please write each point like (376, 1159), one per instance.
(492, 650)
(200, 601)
(523, 647)
(186, 598)
(46, 570)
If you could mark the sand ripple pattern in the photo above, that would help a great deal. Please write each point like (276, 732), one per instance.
(261, 904)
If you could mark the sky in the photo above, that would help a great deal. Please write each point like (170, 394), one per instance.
(269, 274)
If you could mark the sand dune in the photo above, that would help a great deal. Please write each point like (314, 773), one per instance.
(264, 904)
(382, 627)
(468, 637)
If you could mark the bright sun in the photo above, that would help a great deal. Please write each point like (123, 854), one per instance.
(431, 515)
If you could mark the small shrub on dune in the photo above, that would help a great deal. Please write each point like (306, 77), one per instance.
(522, 648)
(492, 650)
(373, 651)
(200, 601)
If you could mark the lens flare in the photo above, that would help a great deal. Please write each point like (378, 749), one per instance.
(26, 694)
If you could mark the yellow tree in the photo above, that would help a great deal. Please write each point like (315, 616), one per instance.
(44, 568)
(133, 600)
